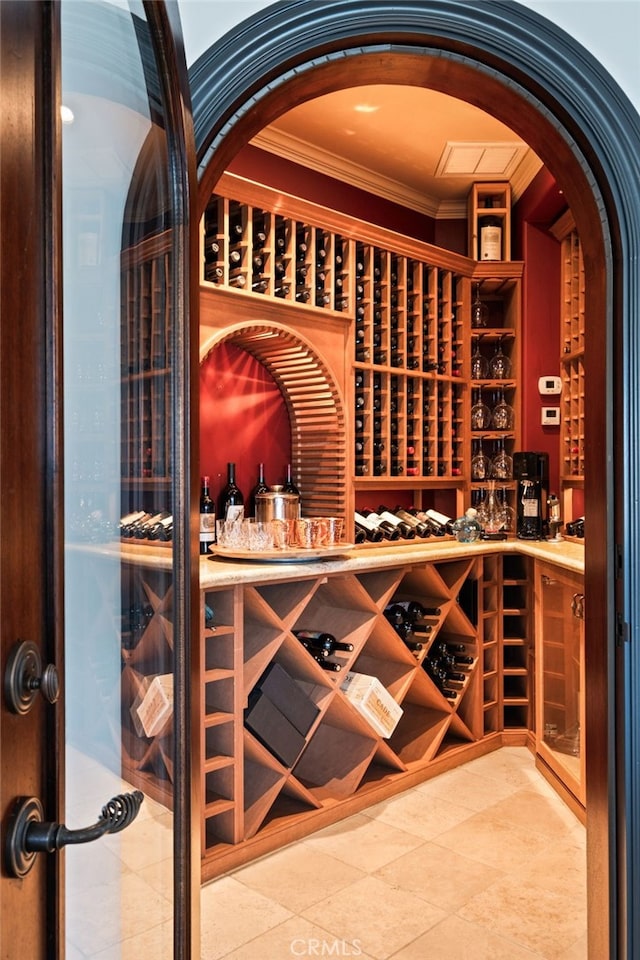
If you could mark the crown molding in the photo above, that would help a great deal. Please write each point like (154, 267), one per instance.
(331, 165)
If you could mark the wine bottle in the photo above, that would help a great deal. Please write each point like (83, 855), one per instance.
(422, 530)
(231, 503)
(330, 665)
(372, 533)
(407, 532)
(163, 529)
(575, 528)
(207, 517)
(127, 522)
(490, 229)
(260, 487)
(389, 530)
(289, 486)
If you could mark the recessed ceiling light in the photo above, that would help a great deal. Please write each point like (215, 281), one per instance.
(365, 108)
(66, 114)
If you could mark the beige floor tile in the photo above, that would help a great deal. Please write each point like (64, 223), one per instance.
(560, 868)
(296, 879)
(493, 842)
(510, 766)
(455, 939)
(470, 789)
(232, 915)
(100, 917)
(542, 920)
(159, 876)
(380, 917)
(143, 842)
(577, 951)
(298, 938)
(440, 876)
(363, 843)
(156, 943)
(420, 815)
(534, 810)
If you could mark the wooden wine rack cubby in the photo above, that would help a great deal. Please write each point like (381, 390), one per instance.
(389, 315)
(255, 802)
(572, 333)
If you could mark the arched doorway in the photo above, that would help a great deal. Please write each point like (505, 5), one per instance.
(507, 60)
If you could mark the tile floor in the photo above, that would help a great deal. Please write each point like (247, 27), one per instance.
(482, 863)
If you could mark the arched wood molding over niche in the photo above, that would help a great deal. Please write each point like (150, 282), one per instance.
(520, 67)
(315, 407)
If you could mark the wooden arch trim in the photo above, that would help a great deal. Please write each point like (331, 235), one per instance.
(537, 79)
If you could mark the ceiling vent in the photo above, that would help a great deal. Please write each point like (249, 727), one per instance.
(486, 160)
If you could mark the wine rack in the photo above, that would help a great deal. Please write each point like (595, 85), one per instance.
(572, 403)
(254, 797)
(146, 363)
(409, 341)
(395, 324)
(495, 412)
(264, 253)
(516, 642)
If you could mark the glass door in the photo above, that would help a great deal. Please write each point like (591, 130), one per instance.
(126, 550)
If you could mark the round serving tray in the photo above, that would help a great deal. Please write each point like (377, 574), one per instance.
(288, 555)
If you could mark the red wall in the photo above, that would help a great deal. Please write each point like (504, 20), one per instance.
(242, 419)
(538, 208)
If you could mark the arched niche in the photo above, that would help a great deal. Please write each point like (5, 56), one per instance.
(513, 63)
(314, 403)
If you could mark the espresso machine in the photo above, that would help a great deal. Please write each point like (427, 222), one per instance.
(531, 470)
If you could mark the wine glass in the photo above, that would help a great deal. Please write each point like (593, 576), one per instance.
(502, 416)
(479, 363)
(479, 310)
(480, 413)
(480, 463)
(500, 364)
(502, 463)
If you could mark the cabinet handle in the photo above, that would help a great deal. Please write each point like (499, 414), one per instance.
(547, 581)
(577, 605)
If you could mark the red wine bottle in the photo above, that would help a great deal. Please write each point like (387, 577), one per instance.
(231, 503)
(207, 517)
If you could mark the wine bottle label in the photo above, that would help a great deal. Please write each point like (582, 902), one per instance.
(491, 243)
(207, 527)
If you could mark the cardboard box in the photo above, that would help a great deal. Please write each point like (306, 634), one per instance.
(156, 706)
(290, 699)
(371, 699)
(273, 729)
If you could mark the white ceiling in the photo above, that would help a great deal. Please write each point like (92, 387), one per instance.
(415, 146)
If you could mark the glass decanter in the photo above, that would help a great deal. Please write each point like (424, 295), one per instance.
(493, 520)
(500, 364)
(479, 363)
(502, 416)
(480, 413)
(502, 463)
(479, 310)
(508, 513)
(480, 463)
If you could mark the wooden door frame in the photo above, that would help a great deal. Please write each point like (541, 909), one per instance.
(520, 67)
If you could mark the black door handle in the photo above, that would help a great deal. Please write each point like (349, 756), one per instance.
(28, 834)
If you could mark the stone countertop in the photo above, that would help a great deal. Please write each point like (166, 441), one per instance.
(221, 572)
